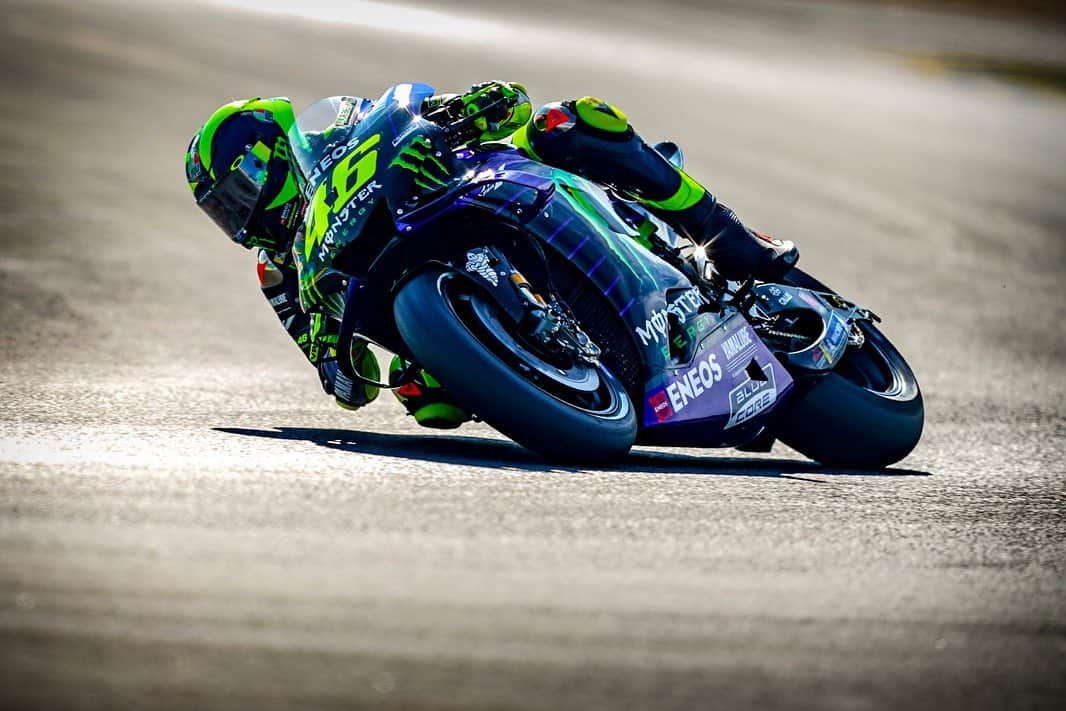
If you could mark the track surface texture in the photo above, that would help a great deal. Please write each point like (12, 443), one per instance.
(187, 522)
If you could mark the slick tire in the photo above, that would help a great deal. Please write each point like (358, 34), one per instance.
(866, 414)
(447, 337)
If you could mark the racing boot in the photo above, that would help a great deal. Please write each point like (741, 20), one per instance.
(425, 399)
(594, 139)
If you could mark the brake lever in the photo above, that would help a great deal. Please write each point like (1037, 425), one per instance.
(454, 133)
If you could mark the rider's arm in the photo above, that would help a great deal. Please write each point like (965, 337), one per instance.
(280, 284)
(505, 108)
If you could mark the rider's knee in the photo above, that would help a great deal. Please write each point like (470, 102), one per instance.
(559, 132)
(269, 274)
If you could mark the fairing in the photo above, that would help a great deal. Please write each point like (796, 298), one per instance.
(706, 378)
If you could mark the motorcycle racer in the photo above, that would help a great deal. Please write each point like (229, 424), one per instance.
(239, 170)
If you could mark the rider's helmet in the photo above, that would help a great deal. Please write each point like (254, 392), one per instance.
(239, 171)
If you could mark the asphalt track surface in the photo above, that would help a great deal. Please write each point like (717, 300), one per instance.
(187, 522)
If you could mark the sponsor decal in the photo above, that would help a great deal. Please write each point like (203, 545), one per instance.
(345, 113)
(835, 332)
(657, 325)
(738, 343)
(660, 405)
(406, 132)
(286, 213)
(767, 238)
(477, 262)
(341, 218)
(812, 300)
(785, 299)
(336, 154)
(751, 398)
(694, 382)
(196, 170)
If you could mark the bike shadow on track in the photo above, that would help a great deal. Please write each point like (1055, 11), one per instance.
(485, 452)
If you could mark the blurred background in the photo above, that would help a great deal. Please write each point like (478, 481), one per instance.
(187, 521)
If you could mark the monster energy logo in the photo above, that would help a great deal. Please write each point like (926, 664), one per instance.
(419, 157)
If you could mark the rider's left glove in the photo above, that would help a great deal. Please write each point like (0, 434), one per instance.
(322, 343)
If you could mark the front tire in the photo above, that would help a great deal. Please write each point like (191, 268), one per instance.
(867, 413)
(442, 317)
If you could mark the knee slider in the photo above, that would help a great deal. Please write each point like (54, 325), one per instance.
(268, 272)
(598, 114)
(554, 117)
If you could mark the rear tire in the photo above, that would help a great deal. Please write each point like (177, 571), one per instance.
(867, 413)
(447, 339)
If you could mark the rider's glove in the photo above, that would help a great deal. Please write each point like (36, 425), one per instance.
(506, 109)
(322, 341)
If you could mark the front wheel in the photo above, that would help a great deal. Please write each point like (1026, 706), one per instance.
(867, 413)
(571, 411)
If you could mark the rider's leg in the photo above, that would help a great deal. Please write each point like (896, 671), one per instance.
(594, 139)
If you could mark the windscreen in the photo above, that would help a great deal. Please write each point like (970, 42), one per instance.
(323, 125)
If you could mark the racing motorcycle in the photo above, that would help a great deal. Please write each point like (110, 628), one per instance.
(523, 289)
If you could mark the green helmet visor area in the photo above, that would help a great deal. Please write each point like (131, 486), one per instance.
(232, 200)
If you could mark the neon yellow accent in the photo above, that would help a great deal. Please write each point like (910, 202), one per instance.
(520, 140)
(345, 186)
(207, 133)
(599, 114)
(288, 192)
(261, 151)
(430, 381)
(441, 415)
(520, 114)
(280, 108)
(366, 365)
(644, 232)
(688, 194)
(317, 220)
(363, 171)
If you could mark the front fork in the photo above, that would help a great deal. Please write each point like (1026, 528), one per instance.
(546, 321)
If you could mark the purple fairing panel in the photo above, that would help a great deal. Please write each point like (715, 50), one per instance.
(716, 387)
(510, 194)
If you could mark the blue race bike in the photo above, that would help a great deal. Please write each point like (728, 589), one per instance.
(523, 289)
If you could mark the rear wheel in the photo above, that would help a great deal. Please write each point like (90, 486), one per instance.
(867, 413)
(561, 408)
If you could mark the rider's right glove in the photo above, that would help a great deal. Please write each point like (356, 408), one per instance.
(505, 105)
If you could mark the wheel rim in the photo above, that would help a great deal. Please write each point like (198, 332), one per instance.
(580, 386)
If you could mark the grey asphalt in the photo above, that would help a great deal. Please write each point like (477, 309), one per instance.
(187, 522)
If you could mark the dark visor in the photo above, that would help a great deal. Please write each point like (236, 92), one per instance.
(231, 201)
